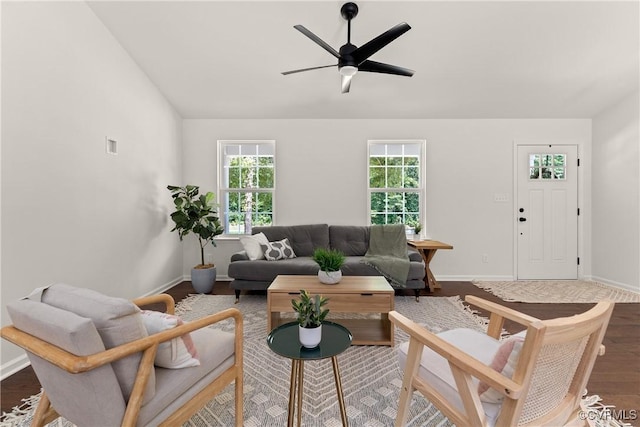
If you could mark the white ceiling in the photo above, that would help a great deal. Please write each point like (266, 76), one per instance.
(474, 59)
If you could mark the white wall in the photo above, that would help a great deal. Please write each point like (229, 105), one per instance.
(70, 212)
(321, 178)
(616, 194)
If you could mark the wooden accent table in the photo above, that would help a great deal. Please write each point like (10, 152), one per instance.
(427, 249)
(354, 294)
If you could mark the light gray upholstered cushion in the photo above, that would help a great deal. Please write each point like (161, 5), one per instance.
(176, 386)
(304, 239)
(435, 369)
(82, 398)
(117, 320)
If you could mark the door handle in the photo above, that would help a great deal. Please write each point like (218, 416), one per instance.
(521, 219)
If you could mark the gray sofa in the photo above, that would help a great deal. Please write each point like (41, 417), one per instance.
(353, 241)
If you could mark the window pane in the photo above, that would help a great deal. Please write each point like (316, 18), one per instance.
(394, 177)
(376, 177)
(394, 161)
(546, 173)
(377, 161)
(411, 161)
(378, 219)
(265, 178)
(559, 159)
(534, 173)
(558, 173)
(546, 160)
(412, 202)
(378, 202)
(534, 160)
(412, 177)
(395, 202)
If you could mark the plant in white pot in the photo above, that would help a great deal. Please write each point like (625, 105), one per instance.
(196, 213)
(310, 314)
(330, 262)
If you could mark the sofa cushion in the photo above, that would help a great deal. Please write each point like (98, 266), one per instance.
(117, 320)
(304, 239)
(263, 270)
(351, 240)
(77, 335)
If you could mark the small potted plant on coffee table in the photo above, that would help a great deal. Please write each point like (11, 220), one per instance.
(310, 314)
(330, 262)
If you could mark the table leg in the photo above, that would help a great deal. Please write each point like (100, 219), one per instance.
(429, 279)
(292, 391)
(300, 384)
(336, 375)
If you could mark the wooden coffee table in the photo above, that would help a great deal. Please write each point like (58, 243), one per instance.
(354, 294)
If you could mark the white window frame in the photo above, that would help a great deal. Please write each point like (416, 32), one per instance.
(421, 189)
(223, 188)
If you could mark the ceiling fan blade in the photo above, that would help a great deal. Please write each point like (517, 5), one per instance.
(366, 50)
(318, 40)
(346, 83)
(380, 67)
(284, 73)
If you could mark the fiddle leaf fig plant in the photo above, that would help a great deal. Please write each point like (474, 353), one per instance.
(309, 310)
(195, 213)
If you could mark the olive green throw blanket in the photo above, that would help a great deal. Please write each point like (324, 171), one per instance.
(387, 253)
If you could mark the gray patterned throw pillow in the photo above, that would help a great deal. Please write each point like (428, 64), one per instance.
(282, 249)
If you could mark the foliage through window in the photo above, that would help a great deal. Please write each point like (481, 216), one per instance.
(396, 184)
(246, 184)
(547, 166)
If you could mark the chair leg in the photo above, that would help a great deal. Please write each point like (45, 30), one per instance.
(414, 354)
(44, 412)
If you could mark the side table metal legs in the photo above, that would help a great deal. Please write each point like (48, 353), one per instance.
(296, 390)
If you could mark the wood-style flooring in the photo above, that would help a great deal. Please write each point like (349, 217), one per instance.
(615, 377)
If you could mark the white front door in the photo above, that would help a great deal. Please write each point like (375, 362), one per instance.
(547, 212)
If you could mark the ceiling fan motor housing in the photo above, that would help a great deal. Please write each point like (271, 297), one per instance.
(349, 11)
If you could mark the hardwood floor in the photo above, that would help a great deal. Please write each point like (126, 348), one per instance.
(615, 377)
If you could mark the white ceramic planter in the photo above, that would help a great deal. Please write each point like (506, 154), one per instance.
(329, 277)
(310, 337)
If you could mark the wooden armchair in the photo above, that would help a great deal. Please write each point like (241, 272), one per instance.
(95, 360)
(536, 377)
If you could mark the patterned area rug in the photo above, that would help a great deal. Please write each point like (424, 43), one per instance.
(371, 377)
(558, 291)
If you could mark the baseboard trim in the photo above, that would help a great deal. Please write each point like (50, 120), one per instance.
(615, 284)
(470, 278)
(13, 366)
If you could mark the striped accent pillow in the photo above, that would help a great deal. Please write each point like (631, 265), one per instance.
(174, 354)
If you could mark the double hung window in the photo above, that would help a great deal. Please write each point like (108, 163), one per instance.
(246, 184)
(396, 182)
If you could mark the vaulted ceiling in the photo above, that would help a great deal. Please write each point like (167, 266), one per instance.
(473, 59)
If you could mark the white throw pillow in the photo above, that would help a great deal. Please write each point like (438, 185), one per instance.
(174, 354)
(252, 245)
(274, 251)
(504, 361)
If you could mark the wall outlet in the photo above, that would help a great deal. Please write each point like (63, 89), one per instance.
(485, 258)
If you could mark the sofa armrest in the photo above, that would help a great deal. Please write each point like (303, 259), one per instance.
(414, 255)
(240, 256)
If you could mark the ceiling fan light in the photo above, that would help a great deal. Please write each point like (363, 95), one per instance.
(348, 70)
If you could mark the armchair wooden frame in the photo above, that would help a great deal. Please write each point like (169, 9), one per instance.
(45, 413)
(464, 367)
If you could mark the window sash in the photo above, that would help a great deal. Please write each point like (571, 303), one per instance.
(396, 163)
(252, 204)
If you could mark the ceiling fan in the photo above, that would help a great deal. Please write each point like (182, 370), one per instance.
(352, 59)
